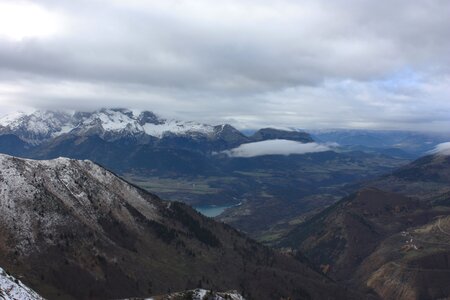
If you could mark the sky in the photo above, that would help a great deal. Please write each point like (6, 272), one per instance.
(253, 63)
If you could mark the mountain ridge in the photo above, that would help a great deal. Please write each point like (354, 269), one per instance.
(115, 123)
(390, 236)
(78, 231)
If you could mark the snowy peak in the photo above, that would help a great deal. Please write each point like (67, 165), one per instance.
(124, 121)
(38, 126)
(13, 289)
(110, 124)
(104, 121)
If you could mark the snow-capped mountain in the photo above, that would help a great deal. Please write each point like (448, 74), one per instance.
(13, 289)
(113, 124)
(128, 141)
(36, 127)
(134, 139)
(40, 126)
(122, 122)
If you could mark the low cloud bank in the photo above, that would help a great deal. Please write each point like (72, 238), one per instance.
(441, 149)
(277, 147)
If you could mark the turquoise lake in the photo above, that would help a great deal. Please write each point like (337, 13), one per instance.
(211, 210)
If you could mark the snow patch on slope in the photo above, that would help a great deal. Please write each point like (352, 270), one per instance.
(201, 294)
(13, 289)
(277, 147)
(178, 128)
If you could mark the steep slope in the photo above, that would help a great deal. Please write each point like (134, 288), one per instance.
(13, 289)
(76, 231)
(413, 264)
(343, 235)
(396, 244)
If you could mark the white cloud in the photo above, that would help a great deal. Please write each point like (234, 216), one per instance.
(27, 20)
(441, 149)
(277, 147)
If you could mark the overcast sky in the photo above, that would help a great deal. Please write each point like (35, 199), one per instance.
(251, 63)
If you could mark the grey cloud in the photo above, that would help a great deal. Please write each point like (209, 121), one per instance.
(287, 63)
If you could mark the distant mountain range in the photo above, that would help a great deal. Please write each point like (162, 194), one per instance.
(125, 140)
(142, 127)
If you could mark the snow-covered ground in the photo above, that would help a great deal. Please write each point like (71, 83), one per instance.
(201, 294)
(13, 289)
(177, 127)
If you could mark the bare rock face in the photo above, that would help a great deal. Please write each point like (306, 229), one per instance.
(73, 230)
